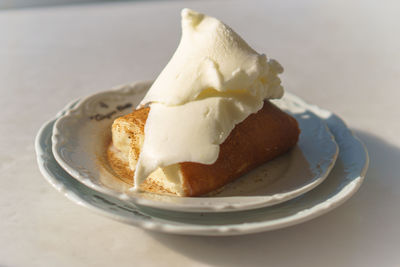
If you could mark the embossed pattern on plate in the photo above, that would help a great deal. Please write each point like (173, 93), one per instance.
(81, 135)
(344, 180)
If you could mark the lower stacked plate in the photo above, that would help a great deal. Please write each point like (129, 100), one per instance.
(344, 179)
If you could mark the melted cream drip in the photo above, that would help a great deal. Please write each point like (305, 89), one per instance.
(214, 81)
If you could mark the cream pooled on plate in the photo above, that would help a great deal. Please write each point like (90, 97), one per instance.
(214, 81)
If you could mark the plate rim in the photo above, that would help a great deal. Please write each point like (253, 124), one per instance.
(253, 202)
(207, 230)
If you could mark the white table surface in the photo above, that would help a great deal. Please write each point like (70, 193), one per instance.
(342, 55)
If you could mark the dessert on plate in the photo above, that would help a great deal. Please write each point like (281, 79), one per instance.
(206, 120)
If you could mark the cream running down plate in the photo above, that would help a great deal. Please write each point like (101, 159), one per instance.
(81, 135)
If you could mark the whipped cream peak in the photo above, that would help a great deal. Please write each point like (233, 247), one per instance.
(191, 18)
(212, 55)
(213, 81)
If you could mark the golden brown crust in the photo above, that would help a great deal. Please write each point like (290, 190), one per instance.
(123, 172)
(259, 138)
(120, 168)
(137, 119)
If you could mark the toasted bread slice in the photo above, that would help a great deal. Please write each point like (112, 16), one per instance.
(261, 137)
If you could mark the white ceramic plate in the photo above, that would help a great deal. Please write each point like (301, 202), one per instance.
(81, 136)
(344, 180)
